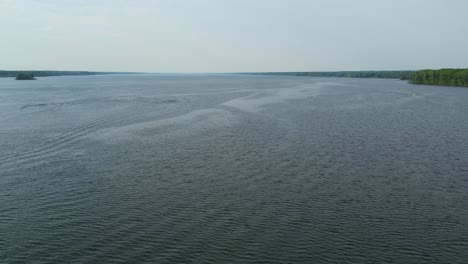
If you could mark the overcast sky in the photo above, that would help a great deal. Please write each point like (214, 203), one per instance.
(233, 35)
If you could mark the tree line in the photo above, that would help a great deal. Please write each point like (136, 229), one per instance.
(445, 77)
(55, 73)
(403, 75)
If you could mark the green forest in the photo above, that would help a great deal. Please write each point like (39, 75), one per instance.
(445, 77)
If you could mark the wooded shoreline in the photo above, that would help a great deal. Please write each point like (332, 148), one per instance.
(442, 77)
(35, 73)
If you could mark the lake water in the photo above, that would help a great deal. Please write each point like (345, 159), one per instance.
(232, 169)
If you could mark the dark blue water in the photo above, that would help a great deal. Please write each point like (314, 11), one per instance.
(232, 169)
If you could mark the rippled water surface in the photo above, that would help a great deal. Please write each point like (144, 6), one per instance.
(232, 169)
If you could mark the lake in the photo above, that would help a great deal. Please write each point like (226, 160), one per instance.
(232, 169)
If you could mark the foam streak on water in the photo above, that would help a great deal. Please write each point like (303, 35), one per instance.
(232, 169)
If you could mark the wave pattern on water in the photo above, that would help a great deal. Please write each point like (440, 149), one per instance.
(235, 169)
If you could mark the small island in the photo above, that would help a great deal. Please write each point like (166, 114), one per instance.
(25, 76)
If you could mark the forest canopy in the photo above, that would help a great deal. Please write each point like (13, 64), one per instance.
(445, 77)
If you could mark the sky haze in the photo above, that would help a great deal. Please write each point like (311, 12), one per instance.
(232, 35)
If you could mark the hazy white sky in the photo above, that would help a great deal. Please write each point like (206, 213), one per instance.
(233, 35)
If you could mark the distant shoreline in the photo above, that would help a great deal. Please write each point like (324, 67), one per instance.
(441, 77)
(403, 75)
(14, 73)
